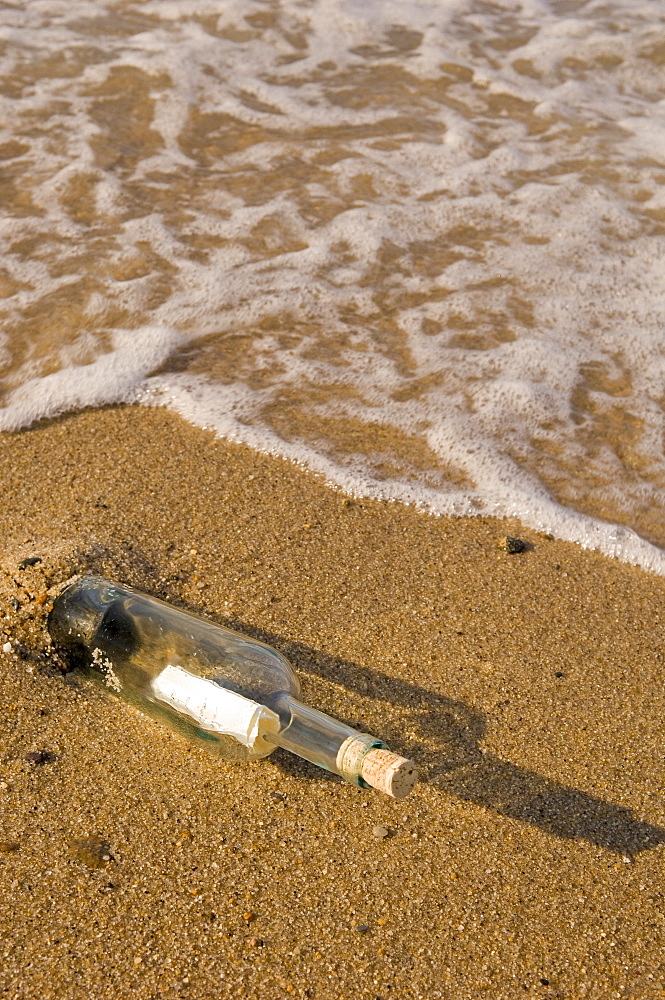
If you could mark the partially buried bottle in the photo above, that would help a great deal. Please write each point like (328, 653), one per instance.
(235, 695)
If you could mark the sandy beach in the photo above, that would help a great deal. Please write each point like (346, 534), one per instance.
(528, 687)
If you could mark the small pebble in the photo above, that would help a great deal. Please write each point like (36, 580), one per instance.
(93, 852)
(256, 942)
(30, 561)
(38, 757)
(7, 647)
(363, 928)
(380, 832)
(512, 545)
(8, 846)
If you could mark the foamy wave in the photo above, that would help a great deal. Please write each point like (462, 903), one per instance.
(226, 410)
(115, 377)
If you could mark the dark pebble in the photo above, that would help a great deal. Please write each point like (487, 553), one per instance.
(363, 928)
(38, 757)
(545, 982)
(278, 797)
(513, 545)
(30, 561)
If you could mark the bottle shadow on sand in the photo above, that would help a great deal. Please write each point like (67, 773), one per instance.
(463, 769)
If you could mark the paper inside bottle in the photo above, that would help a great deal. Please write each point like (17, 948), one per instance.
(215, 708)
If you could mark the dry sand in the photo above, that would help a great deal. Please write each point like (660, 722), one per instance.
(528, 862)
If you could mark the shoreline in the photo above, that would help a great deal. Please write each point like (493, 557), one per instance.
(527, 687)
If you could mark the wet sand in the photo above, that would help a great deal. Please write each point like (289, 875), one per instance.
(528, 688)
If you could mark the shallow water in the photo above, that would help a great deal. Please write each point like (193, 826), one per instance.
(419, 248)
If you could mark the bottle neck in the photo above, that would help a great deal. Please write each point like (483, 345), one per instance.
(322, 740)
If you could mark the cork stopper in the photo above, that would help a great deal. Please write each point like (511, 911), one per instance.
(390, 773)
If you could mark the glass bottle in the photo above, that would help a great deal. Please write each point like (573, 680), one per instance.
(235, 695)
